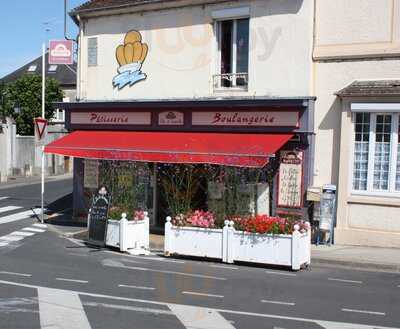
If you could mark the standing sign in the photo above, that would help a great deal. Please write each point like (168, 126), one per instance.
(91, 174)
(40, 131)
(98, 214)
(61, 52)
(290, 179)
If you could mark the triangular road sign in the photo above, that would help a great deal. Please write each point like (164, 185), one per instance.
(40, 128)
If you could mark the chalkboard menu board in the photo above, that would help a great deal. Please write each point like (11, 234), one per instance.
(98, 216)
(290, 179)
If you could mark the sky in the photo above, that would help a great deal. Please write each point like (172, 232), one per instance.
(23, 25)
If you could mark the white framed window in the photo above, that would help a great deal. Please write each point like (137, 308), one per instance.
(59, 116)
(232, 53)
(92, 51)
(376, 155)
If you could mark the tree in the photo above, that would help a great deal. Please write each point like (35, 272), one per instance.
(26, 93)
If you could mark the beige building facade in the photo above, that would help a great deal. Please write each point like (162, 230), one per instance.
(296, 48)
(357, 43)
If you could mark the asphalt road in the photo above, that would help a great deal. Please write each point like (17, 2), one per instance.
(49, 281)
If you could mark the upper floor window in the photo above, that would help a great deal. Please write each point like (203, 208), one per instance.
(32, 68)
(92, 51)
(52, 68)
(376, 164)
(233, 53)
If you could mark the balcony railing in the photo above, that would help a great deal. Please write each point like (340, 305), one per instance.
(226, 81)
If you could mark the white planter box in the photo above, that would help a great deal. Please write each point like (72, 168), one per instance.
(230, 245)
(127, 235)
(194, 241)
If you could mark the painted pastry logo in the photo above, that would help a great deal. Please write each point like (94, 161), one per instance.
(130, 57)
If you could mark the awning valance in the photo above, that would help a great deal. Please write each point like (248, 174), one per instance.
(243, 150)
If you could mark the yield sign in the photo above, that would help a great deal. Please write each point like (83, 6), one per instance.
(40, 128)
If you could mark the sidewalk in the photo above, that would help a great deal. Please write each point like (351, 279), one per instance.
(23, 181)
(371, 258)
(367, 258)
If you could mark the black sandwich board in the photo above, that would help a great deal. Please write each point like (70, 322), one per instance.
(98, 215)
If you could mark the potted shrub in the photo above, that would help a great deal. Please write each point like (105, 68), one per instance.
(128, 230)
(259, 239)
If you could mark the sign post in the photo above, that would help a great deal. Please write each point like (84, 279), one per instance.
(44, 118)
(60, 52)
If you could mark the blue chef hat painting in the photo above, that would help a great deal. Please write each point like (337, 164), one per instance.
(130, 57)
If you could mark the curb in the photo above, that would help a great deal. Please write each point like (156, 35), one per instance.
(393, 268)
(34, 182)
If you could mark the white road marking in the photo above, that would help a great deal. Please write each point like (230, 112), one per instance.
(113, 263)
(225, 267)
(362, 311)
(17, 274)
(129, 308)
(129, 261)
(40, 225)
(61, 309)
(4, 197)
(344, 280)
(159, 259)
(201, 294)
(193, 317)
(11, 238)
(136, 287)
(15, 217)
(32, 229)
(3, 244)
(277, 302)
(326, 324)
(72, 280)
(19, 233)
(9, 208)
(280, 273)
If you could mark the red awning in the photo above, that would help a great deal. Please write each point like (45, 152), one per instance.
(243, 150)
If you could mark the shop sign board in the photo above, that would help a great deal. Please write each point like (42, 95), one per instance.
(91, 174)
(111, 118)
(98, 216)
(61, 52)
(170, 118)
(248, 119)
(290, 179)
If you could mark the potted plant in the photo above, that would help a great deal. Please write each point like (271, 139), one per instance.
(259, 239)
(128, 230)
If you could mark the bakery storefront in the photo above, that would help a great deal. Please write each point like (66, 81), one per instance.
(238, 156)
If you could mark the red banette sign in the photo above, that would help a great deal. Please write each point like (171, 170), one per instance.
(113, 118)
(61, 52)
(252, 119)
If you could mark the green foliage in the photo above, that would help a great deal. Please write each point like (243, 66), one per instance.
(27, 93)
(180, 184)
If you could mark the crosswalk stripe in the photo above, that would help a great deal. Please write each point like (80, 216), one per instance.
(32, 229)
(19, 233)
(40, 225)
(11, 238)
(17, 216)
(3, 197)
(9, 208)
(193, 317)
(55, 306)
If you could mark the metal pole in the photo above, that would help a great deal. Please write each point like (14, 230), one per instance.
(43, 116)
